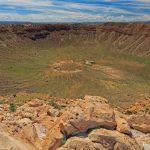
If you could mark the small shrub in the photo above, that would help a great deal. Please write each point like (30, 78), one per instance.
(63, 141)
(128, 112)
(63, 106)
(12, 107)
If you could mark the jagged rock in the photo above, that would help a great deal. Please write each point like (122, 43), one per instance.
(90, 113)
(113, 140)
(53, 112)
(122, 124)
(88, 123)
(101, 139)
(140, 122)
(54, 140)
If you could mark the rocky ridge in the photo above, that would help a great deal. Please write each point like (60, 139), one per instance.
(84, 124)
(133, 38)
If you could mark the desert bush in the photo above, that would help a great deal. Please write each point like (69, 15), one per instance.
(64, 139)
(12, 107)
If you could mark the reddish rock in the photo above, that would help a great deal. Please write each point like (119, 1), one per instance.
(140, 122)
(35, 103)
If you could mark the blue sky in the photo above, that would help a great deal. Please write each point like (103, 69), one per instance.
(74, 10)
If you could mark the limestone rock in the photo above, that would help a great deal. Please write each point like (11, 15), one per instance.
(40, 130)
(77, 143)
(24, 122)
(122, 124)
(101, 139)
(53, 141)
(142, 139)
(29, 133)
(86, 124)
(99, 99)
(113, 140)
(83, 115)
(140, 122)
(9, 143)
(53, 112)
(87, 114)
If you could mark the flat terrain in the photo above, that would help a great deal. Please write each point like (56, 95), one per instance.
(71, 71)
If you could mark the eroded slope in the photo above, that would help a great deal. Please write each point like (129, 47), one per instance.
(74, 60)
(133, 38)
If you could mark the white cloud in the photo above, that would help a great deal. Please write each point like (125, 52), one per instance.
(72, 17)
(26, 2)
(55, 11)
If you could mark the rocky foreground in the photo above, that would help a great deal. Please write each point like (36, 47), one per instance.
(83, 124)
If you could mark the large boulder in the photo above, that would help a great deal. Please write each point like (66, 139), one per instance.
(101, 139)
(92, 112)
(83, 115)
(113, 140)
(122, 124)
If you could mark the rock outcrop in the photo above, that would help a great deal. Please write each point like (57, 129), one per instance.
(141, 123)
(85, 124)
